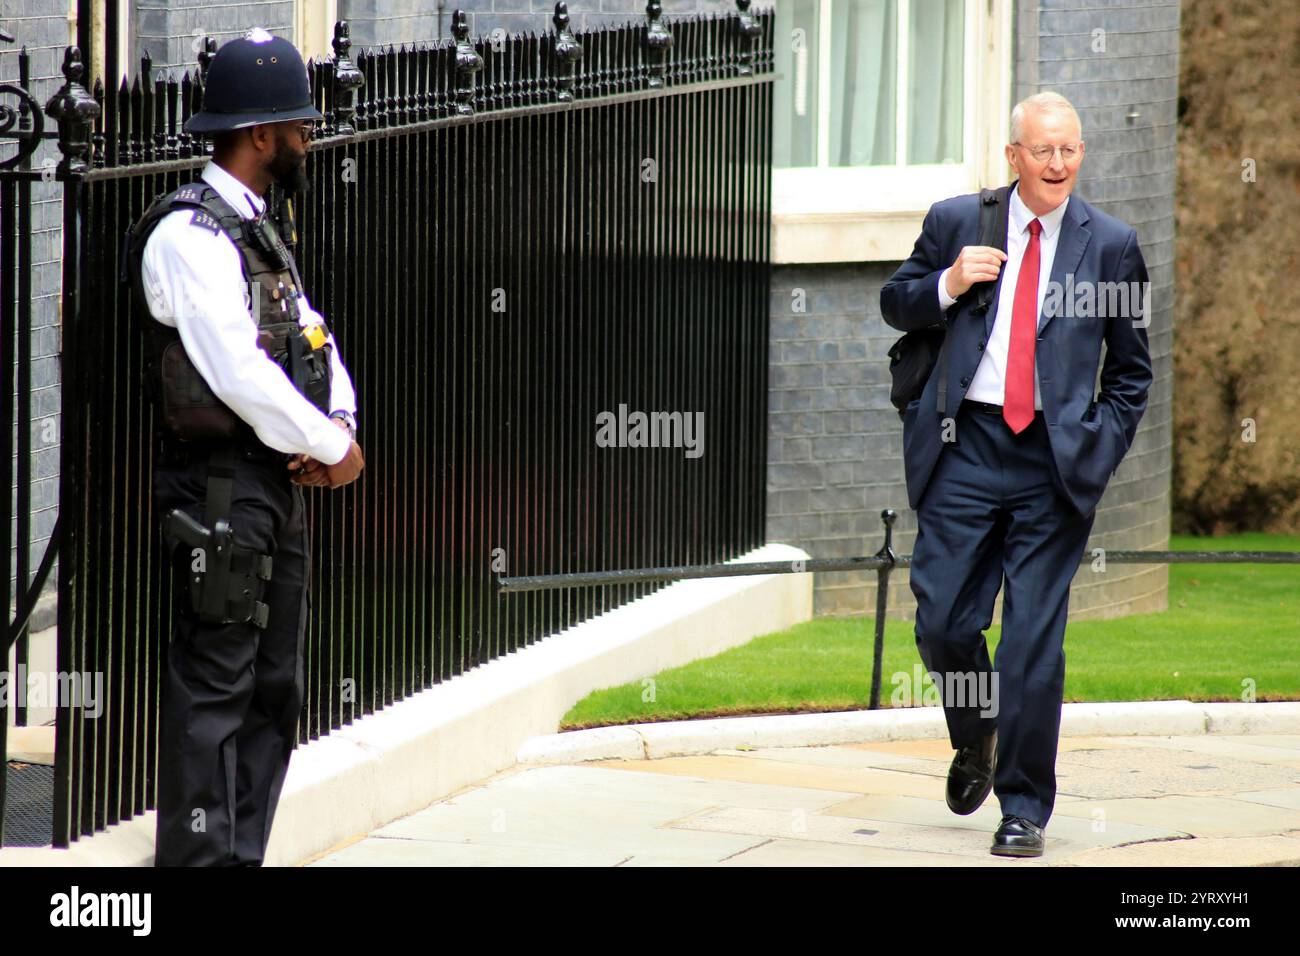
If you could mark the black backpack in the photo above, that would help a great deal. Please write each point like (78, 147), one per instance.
(913, 357)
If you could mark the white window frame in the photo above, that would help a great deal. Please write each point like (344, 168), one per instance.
(99, 35)
(874, 213)
(314, 28)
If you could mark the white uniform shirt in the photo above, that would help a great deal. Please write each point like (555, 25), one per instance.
(989, 383)
(193, 282)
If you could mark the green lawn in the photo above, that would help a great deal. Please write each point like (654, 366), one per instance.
(1226, 624)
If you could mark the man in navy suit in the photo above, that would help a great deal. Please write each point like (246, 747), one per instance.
(1007, 481)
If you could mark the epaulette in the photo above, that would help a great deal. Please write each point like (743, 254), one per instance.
(205, 220)
(198, 196)
(191, 194)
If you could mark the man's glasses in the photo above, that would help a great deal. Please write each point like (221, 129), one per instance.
(1043, 153)
(305, 130)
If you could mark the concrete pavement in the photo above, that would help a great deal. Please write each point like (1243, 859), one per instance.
(1162, 800)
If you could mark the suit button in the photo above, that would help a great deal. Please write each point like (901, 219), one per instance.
(980, 346)
(964, 381)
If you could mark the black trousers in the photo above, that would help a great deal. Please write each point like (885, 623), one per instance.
(232, 693)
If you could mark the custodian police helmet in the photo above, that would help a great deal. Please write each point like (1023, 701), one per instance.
(257, 78)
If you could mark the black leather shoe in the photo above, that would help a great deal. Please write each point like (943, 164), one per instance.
(1016, 836)
(970, 778)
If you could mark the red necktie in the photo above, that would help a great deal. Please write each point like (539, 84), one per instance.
(1018, 400)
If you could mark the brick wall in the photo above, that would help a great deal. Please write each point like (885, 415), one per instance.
(1129, 172)
(402, 21)
(169, 29)
(42, 27)
(835, 442)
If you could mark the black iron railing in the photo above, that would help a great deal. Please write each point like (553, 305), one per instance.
(883, 562)
(23, 125)
(507, 243)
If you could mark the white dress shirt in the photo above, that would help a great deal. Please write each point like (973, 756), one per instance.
(989, 383)
(187, 265)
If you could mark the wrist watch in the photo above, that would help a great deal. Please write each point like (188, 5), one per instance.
(347, 419)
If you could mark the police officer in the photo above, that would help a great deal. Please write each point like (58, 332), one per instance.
(254, 403)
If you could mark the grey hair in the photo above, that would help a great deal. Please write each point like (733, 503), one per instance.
(1047, 102)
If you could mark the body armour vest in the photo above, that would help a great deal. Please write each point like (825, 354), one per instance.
(188, 408)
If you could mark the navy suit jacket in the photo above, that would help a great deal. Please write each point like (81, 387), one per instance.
(1089, 434)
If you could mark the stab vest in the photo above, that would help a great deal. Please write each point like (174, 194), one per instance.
(188, 408)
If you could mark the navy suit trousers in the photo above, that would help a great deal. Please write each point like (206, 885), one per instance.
(994, 508)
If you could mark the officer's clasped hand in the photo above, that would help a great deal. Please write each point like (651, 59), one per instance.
(310, 471)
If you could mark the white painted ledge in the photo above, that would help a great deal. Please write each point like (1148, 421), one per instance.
(844, 236)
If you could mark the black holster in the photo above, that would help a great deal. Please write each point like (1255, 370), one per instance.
(225, 582)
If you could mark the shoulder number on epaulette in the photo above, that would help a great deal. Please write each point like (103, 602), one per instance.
(205, 220)
(190, 193)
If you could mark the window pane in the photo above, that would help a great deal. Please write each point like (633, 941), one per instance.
(936, 67)
(794, 97)
(864, 44)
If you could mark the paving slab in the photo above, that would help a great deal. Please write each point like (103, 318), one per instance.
(1155, 771)
(1277, 850)
(1199, 800)
(784, 774)
(935, 813)
(1260, 749)
(1197, 816)
(924, 749)
(878, 834)
(840, 755)
(805, 853)
(1283, 741)
(1273, 798)
(594, 782)
(379, 851)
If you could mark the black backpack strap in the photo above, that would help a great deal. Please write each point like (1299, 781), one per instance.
(992, 232)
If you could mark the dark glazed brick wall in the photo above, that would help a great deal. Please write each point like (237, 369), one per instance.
(403, 21)
(835, 442)
(1129, 172)
(42, 27)
(167, 29)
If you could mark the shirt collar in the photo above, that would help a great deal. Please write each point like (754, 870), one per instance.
(1021, 214)
(239, 196)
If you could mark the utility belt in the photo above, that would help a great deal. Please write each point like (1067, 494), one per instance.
(225, 581)
(175, 452)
